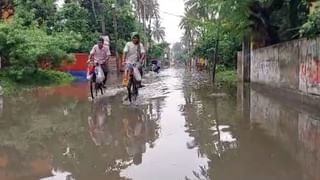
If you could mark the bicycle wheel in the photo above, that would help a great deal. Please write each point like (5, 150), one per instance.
(92, 89)
(135, 89)
(132, 89)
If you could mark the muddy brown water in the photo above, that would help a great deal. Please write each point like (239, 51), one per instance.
(179, 129)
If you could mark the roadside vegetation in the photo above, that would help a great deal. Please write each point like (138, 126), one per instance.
(216, 30)
(39, 35)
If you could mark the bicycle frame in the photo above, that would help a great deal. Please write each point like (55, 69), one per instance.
(132, 84)
(94, 87)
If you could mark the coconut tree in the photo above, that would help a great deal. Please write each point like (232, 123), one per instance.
(147, 11)
(140, 10)
(158, 32)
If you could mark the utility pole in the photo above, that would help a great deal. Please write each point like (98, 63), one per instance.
(115, 26)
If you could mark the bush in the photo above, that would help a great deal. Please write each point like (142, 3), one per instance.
(37, 78)
(25, 47)
(155, 51)
(221, 68)
(226, 76)
(311, 28)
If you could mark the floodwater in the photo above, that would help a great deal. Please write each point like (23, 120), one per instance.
(179, 129)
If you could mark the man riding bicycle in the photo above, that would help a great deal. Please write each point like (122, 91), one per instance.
(134, 54)
(100, 55)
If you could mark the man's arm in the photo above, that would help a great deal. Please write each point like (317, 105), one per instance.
(143, 54)
(91, 55)
(125, 53)
(108, 53)
(124, 57)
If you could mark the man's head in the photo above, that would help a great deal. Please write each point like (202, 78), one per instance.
(100, 42)
(135, 38)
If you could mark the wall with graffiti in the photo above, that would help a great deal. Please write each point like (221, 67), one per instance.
(310, 66)
(293, 65)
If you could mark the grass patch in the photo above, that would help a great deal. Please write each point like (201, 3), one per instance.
(28, 81)
(226, 79)
(227, 76)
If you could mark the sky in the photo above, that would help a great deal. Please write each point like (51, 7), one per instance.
(170, 22)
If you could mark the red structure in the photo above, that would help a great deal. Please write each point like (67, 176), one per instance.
(79, 64)
(79, 67)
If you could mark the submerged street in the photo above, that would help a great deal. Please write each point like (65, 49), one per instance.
(179, 128)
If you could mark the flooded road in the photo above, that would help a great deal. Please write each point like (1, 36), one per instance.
(179, 129)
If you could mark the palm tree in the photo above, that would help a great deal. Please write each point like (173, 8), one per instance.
(152, 11)
(189, 31)
(147, 10)
(140, 10)
(158, 32)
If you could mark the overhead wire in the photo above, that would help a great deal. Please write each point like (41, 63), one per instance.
(188, 18)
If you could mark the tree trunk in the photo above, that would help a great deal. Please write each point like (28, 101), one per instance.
(144, 17)
(94, 9)
(103, 19)
(246, 50)
(103, 25)
(138, 9)
(215, 60)
(115, 26)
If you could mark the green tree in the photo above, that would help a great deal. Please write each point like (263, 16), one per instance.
(75, 18)
(311, 28)
(41, 11)
(179, 52)
(158, 32)
(24, 48)
(215, 29)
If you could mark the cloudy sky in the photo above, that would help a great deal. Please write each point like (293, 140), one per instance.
(170, 22)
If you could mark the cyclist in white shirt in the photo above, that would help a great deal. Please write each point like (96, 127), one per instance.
(134, 53)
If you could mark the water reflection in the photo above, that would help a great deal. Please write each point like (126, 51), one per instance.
(124, 129)
(59, 175)
(186, 134)
(47, 137)
(135, 129)
(297, 130)
(98, 128)
(264, 144)
(1, 105)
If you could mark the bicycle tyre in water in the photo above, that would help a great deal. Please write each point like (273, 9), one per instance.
(132, 89)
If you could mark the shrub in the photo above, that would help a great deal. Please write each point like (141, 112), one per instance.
(24, 47)
(311, 28)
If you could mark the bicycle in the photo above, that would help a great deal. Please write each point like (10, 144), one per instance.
(94, 86)
(132, 86)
